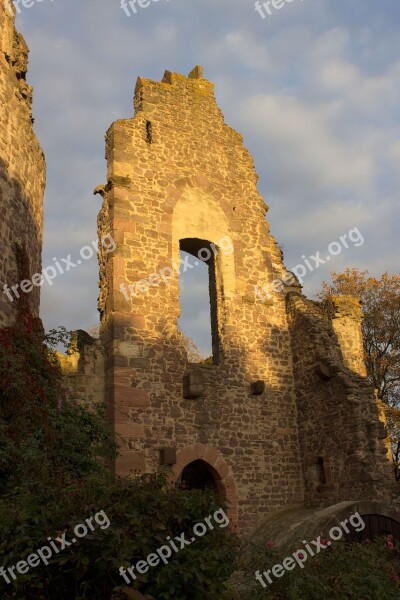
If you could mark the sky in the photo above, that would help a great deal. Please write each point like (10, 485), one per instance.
(314, 88)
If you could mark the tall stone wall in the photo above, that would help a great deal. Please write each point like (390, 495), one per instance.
(178, 176)
(343, 441)
(22, 170)
(282, 414)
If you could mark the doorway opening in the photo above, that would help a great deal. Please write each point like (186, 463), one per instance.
(197, 475)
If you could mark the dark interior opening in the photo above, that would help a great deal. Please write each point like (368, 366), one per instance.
(376, 526)
(197, 476)
(321, 471)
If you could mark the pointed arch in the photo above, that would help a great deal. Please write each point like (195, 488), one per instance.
(220, 470)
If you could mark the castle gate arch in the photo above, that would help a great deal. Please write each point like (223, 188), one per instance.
(202, 467)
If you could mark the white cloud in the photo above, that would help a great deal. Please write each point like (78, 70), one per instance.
(314, 89)
(305, 144)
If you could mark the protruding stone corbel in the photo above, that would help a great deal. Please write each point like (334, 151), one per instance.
(100, 189)
(167, 456)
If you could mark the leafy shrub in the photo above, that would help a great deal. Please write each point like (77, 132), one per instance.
(54, 474)
(143, 512)
(367, 571)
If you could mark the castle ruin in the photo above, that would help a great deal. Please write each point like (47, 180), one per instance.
(282, 415)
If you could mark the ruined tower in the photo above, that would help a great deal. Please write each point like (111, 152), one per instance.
(282, 414)
(22, 174)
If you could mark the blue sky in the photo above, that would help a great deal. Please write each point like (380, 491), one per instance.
(314, 88)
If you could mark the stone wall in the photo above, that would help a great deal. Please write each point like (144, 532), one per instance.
(22, 170)
(282, 414)
(345, 314)
(178, 176)
(343, 442)
(83, 369)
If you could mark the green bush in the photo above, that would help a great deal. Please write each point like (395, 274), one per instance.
(54, 474)
(367, 571)
(143, 512)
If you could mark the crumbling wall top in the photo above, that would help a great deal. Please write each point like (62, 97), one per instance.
(192, 86)
(343, 306)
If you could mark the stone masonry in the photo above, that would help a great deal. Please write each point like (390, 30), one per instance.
(342, 439)
(281, 419)
(22, 171)
(282, 415)
(83, 369)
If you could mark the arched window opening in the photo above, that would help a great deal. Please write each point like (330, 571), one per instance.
(198, 299)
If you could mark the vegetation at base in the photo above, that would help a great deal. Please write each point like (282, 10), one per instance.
(54, 474)
(365, 571)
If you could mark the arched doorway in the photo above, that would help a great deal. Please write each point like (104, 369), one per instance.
(202, 467)
(376, 526)
(197, 475)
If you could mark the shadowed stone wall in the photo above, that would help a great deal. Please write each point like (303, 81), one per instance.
(343, 441)
(22, 169)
